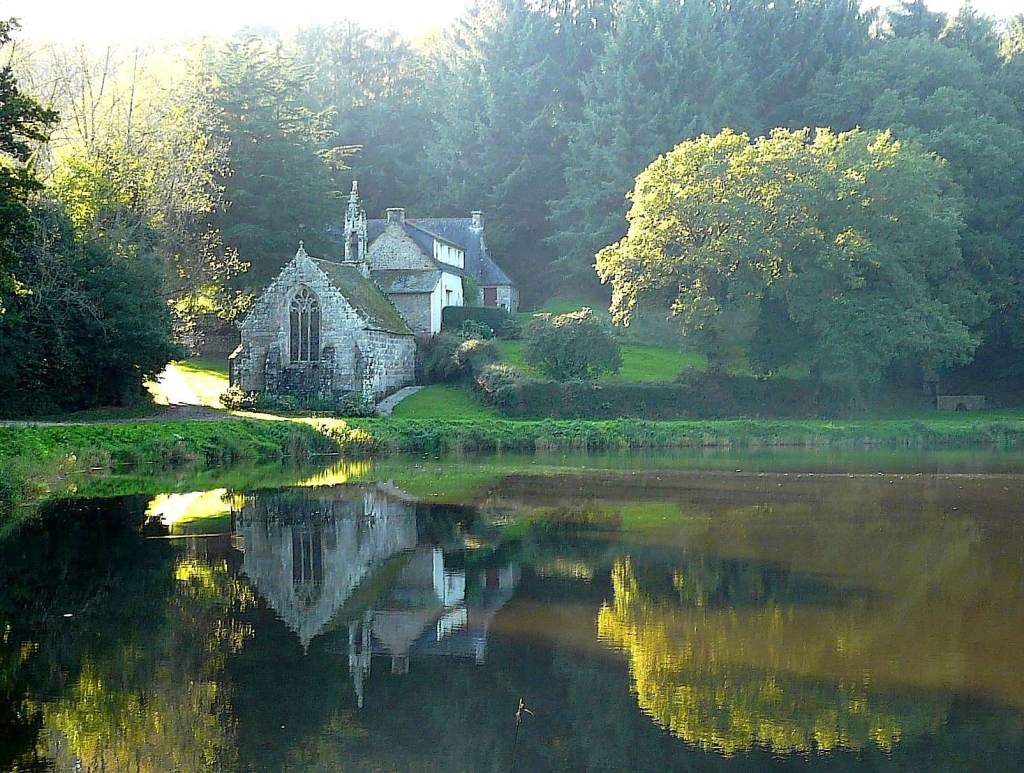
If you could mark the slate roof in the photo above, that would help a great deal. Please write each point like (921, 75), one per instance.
(457, 231)
(364, 297)
(406, 281)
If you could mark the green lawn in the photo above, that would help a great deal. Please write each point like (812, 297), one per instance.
(640, 362)
(442, 402)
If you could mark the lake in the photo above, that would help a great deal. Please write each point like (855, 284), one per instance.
(696, 611)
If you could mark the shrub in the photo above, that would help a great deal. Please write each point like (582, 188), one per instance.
(571, 346)
(234, 399)
(493, 378)
(355, 406)
(475, 354)
(471, 328)
(438, 359)
(509, 330)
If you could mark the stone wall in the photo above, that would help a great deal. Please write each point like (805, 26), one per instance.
(415, 310)
(960, 402)
(508, 297)
(395, 249)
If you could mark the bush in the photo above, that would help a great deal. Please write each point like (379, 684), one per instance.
(355, 406)
(234, 399)
(509, 330)
(351, 405)
(571, 346)
(437, 357)
(473, 329)
(475, 354)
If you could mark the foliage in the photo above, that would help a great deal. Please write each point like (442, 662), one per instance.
(571, 346)
(471, 293)
(350, 405)
(671, 71)
(941, 96)
(279, 189)
(640, 362)
(453, 317)
(510, 329)
(475, 353)
(755, 245)
(23, 121)
(473, 329)
(437, 356)
(88, 329)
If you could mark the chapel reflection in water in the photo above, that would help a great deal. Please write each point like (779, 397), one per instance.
(346, 563)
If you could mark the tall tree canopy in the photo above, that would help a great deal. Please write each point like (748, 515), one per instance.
(278, 188)
(23, 120)
(944, 99)
(847, 244)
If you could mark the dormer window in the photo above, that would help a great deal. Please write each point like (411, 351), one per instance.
(305, 327)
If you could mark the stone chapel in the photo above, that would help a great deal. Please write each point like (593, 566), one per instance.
(326, 328)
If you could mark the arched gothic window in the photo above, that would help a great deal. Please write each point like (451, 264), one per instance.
(305, 327)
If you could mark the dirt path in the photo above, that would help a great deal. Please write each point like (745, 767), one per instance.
(182, 405)
(175, 388)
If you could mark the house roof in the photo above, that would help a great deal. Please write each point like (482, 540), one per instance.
(368, 302)
(406, 281)
(456, 231)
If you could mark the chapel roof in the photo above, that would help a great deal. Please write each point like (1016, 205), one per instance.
(364, 297)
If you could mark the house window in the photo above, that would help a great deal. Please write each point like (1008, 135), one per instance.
(305, 327)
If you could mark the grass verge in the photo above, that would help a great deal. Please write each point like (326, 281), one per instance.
(443, 403)
(38, 462)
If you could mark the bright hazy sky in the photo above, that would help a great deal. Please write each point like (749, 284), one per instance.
(103, 21)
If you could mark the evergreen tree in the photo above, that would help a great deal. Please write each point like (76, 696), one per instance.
(279, 188)
(665, 76)
(23, 121)
(498, 145)
(371, 84)
(943, 98)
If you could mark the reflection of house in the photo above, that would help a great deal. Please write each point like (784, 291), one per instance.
(427, 613)
(307, 551)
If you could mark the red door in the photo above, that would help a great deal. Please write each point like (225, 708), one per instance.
(490, 296)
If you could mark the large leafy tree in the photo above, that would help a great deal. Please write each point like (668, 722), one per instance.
(943, 98)
(23, 122)
(847, 244)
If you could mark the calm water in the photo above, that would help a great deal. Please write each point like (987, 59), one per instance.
(721, 613)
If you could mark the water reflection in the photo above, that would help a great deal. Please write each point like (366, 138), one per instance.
(306, 550)
(345, 562)
(653, 620)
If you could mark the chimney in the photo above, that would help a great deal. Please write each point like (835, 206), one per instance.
(478, 219)
(396, 215)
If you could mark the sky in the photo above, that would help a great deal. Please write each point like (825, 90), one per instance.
(101, 22)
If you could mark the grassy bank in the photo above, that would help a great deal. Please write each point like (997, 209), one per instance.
(38, 462)
(41, 461)
(433, 436)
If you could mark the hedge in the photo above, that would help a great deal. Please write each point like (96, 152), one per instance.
(452, 317)
(710, 396)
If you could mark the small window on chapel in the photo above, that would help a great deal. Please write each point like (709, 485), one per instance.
(305, 327)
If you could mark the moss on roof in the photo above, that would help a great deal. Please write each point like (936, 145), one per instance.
(404, 281)
(369, 302)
